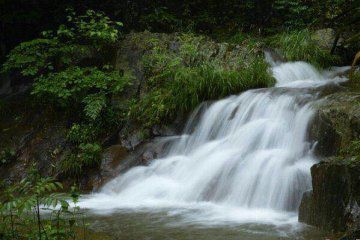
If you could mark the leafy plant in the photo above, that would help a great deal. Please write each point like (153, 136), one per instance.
(23, 206)
(293, 13)
(72, 71)
(32, 58)
(75, 85)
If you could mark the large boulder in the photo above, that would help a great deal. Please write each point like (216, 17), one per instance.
(333, 203)
(336, 123)
(325, 37)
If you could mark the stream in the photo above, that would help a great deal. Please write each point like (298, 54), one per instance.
(238, 171)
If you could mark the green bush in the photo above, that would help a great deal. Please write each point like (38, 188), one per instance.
(90, 87)
(32, 58)
(72, 71)
(56, 64)
(299, 46)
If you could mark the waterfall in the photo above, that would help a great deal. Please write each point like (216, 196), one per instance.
(245, 155)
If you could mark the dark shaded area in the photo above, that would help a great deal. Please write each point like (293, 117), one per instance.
(23, 20)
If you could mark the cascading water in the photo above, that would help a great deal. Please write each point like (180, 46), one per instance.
(244, 158)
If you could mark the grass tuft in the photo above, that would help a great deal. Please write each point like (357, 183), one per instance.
(300, 46)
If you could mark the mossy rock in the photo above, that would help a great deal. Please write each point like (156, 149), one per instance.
(337, 122)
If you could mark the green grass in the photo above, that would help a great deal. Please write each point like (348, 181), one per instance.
(179, 84)
(299, 46)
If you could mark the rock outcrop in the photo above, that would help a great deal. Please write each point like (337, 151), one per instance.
(39, 135)
(333, 203)
(337, 122)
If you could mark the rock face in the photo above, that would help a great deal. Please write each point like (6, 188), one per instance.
(325, 37)
(337, 122)
(333, 203)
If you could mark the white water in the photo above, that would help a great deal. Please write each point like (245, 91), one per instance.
(242, 159)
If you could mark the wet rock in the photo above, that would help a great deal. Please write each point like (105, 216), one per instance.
(333, 204)
(163, 131)
(112, 157)
(133, 138)
(337, 122)
(325, 37)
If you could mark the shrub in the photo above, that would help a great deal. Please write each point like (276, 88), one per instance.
(75, 85)
(56, 63)
(71, 70)
(32, 58)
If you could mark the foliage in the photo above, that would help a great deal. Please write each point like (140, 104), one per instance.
(160, 18)
(267, 16)
(86, 156)
(299, 46)
(349, 154)
(65, 47)
(91, 28)
(31, 58)
(56, 64)
(32, 209)
(72, 71)
(78, 134)
(75, 85)
(179, 81)
(7, 156)
(293, 13)
(353, 149)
